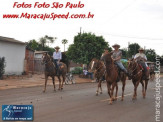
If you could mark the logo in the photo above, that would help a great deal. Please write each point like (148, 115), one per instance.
(17, 112)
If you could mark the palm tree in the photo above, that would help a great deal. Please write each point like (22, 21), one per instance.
(46, 39)
(64, 41)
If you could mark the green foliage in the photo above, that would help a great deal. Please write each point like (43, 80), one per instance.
(86, 46)
(2, 67)
(41, 45)
(133, 49)
(124, 53)
(151, 55)
(77, 70)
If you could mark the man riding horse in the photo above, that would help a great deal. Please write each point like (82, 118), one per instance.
(141, 59)
(57, 56)
(116, 55)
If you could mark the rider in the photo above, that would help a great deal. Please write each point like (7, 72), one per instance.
(141, 59)
(57, 56)
(106, 51)
(117, 54)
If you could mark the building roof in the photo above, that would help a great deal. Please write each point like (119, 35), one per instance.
(12, 40)
(40, 52)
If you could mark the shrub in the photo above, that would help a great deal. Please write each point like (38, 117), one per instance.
(2, 66)
(77, 70)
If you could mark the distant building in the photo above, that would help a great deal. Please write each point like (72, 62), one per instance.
(38, 54)
(14, 53)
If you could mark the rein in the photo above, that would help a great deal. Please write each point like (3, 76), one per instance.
(135, 69)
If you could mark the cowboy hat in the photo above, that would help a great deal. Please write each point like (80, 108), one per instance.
(116, 45)
(141, 49)
(57, 47)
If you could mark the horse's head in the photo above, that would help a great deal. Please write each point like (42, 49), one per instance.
(107, 58)
(92, 65)
(131, 66)
(45, 58)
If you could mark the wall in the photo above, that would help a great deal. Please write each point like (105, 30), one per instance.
(14, 54)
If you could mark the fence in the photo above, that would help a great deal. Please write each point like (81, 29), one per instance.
(34, 66)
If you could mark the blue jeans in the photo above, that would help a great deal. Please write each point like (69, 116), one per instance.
(56, 63)
(120, 65)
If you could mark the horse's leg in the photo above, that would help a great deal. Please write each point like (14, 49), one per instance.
(63, 80)
(123, 88)
(134, 83)
(135, 89)
(146, 84)
(59, 83)
(53, 79)
(46, 78)
(112, 92)
(116, 85)
(97, 87)
(100, 86)
(108, 87)
(142, 87)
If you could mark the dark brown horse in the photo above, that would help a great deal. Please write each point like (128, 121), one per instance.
(50, 70)
(112, 77)
(137, 76)
(98, 67)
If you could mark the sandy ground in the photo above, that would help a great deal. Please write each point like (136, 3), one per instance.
(32, 80)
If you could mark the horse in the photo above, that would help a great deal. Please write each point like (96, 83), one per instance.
(98, 67)
(137, 75)
(50, 70)
(112, 77)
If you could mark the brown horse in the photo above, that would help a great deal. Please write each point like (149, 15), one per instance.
(98, 67)
(112, 77)
(137, 76)
(50, 70)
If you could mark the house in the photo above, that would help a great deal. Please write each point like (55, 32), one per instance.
(14, 53)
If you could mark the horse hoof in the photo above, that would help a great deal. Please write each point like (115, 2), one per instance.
(43, 91)
(122, 99)
(100, 92)
(110, 103)
(96, 94)
(61, 88)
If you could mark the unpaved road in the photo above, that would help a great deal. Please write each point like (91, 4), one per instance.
(78, 103)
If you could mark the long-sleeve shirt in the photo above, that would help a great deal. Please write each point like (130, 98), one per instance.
(57, 55)
(141, 55)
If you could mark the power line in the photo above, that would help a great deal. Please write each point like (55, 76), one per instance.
(135, 37)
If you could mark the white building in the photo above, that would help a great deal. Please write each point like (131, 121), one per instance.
(14, 53)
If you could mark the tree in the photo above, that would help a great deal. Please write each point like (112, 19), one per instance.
(150, 54)
(86, 46)
(46, 39)
(2, 67)
(64, 41)
(124, 53)
(133, 49)
(33, 44)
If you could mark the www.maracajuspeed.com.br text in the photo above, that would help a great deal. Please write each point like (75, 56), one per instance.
(52, 16)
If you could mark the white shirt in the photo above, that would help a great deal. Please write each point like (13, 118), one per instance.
(57, 55)
(141, 55)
